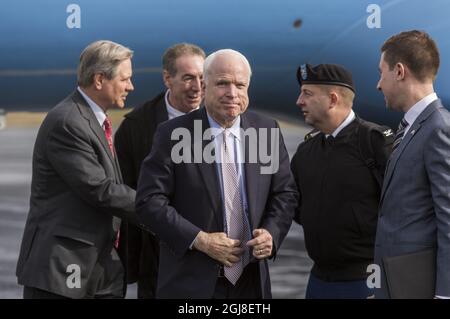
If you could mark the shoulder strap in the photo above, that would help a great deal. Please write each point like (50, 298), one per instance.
(366, 149)
(311, 134)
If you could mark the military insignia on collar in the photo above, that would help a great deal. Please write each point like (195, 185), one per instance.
(388, 132)
(303, 72)
(311, 134)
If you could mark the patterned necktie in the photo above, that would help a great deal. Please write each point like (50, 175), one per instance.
(399, 134)
(107, 126)
(237, 226)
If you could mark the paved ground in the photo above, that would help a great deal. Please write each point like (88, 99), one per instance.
(289, 272)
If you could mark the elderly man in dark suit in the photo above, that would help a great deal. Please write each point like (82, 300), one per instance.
(182, 75)
(218, 210)
(78, 199)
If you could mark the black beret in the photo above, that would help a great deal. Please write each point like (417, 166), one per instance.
(328, 74)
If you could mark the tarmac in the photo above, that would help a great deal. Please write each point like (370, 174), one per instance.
(289, 272)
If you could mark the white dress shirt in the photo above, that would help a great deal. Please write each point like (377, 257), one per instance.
(235, 139)
(350, 117)
(171, 111)
(98, 111)
(417, 109)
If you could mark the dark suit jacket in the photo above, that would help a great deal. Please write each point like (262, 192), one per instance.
(176, 201)
(134, 137)
(133, 142)
(415, 200)
(75, 192)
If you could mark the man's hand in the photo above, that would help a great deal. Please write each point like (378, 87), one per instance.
(262, 243)
(219, 247)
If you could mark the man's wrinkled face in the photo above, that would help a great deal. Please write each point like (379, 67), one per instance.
(226, 89)
(186, 85)
(114, 91)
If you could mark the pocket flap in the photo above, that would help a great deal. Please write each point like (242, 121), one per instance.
(75, 234)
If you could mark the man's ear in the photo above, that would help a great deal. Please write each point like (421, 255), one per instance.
(203, 87)
(167, 79)
(98, 81)
(400, 71)
(334, 99)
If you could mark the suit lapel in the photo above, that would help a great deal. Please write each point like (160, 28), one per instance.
(208, 171)
(251, 171)
(161, 112)
(393, 160)
(89, 115)
(147, 118)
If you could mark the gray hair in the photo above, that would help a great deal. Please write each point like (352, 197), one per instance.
(174, 52)
(101, 57)
(209, 60)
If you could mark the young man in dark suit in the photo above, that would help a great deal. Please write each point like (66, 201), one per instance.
(415, 202)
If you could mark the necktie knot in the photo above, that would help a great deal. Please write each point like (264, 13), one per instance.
(402, 125)
(107, 125)
(399, 134)
(226, 135)
(328, 141)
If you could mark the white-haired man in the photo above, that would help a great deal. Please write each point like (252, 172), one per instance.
(217, 221)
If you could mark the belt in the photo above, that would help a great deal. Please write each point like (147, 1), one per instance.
(221, 272)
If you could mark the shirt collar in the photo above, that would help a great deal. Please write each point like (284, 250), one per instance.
(414, 112)
(100, 115)
(351, 116)
(217, 129)
(171, 111)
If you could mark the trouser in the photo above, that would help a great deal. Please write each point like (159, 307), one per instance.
(319, 289)
(248, 285)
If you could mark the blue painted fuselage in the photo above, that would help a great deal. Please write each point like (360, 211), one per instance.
(41, 41)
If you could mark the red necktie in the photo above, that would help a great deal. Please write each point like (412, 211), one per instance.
(108, 133)
(107, 125)
(116, 241)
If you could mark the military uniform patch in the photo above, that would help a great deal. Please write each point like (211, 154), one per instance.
(388, 132)
(303, 72)
(311, 134)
